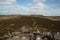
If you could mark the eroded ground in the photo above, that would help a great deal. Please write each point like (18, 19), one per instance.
(28, 24)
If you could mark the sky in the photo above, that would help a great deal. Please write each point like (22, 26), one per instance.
(30, 7)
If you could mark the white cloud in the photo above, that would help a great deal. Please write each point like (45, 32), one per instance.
(40, 6)
(14, 10)
(5, 2)
(26, 11)
(37, 5)
(29, 4)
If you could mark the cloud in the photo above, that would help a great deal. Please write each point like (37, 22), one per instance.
(6, 2)
(28, 11)
(29, 4)
(15, 9)
(37, 7)
(40, 6)
(51, 12)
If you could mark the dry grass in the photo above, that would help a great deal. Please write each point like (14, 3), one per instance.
(15, 23)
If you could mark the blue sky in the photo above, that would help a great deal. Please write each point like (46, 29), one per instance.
(29, 7)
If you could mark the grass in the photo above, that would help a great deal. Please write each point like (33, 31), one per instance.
(19, 21)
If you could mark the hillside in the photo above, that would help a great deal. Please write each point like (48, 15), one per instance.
(17, 22)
